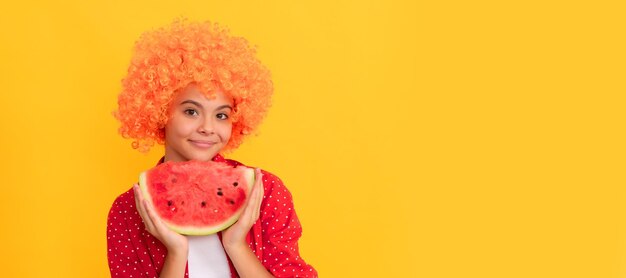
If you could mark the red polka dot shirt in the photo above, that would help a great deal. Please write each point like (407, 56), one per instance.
(134, 252)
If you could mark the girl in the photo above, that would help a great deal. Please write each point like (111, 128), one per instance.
(199, 91)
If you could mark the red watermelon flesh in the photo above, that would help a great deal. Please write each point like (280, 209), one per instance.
(195, 197)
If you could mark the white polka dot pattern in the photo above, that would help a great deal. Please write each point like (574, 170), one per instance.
(133, 252)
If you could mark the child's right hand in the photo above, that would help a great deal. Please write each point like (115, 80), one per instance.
(173, 241)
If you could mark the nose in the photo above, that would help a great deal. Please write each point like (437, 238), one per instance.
(206, 126)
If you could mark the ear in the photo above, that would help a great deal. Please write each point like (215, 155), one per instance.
(161, 133)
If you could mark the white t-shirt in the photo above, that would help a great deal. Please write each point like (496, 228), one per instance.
(207, 257)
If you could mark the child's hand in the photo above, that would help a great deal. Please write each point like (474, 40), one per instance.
(235, 235)
(174, 242)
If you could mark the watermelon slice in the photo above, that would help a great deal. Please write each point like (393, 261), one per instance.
(195, 197)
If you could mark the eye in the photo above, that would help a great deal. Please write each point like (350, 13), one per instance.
(191, 112)
(222, 116)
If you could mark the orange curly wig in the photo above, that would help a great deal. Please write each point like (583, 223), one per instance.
(168, 59)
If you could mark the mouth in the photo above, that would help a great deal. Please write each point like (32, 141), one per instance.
(202, 143)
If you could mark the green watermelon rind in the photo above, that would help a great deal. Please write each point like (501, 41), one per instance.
(206, 230)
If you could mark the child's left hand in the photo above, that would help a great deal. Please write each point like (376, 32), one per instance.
(235, 235)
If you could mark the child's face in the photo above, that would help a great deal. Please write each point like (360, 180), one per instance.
(198, 127)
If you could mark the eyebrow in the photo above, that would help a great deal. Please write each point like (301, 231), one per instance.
(200, 105)
(192, 102)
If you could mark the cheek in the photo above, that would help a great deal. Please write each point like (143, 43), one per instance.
(178, 127)
(227, 131)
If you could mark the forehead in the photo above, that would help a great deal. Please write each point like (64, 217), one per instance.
(191, 92)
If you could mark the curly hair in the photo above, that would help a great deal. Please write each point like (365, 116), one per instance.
(168, 59)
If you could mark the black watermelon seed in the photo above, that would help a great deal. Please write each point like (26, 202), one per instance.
(231, 201)
(203, 204)
(219, 188)
(220, 193)
(235, 183)
(169, 203)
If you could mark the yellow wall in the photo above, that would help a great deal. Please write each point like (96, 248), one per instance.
(438, 139)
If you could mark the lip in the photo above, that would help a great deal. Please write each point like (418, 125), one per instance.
(202, 143)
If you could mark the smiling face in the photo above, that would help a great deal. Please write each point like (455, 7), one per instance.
(198, 127)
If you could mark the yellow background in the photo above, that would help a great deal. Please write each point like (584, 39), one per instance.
(419, 139)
